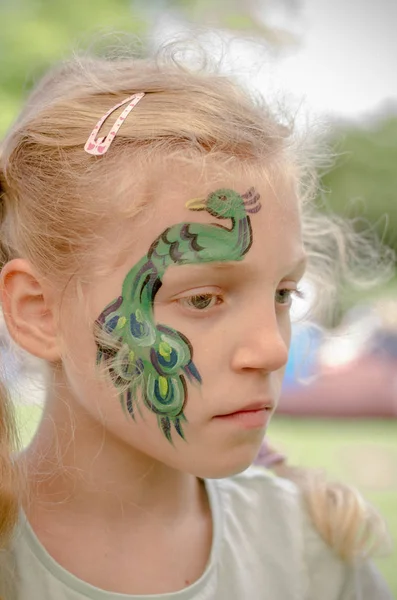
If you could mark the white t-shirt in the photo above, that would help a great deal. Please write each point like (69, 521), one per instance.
(264, 548)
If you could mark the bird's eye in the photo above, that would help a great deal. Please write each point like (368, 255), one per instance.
(223, 198)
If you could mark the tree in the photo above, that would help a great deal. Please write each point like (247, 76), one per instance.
(364, 179)
(35, 34)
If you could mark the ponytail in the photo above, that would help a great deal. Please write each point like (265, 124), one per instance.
(9, 471)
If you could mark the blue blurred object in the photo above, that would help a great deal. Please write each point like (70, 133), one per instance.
(303, 356)
(10, 364)
(384, 344)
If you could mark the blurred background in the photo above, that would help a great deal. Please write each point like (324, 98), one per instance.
(327, 63)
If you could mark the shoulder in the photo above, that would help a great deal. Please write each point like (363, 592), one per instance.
(257, 493)
(267, 510)
(268, 515)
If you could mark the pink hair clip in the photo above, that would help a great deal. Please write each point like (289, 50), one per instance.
(98, 146)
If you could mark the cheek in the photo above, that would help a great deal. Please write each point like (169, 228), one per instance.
(286, 329)
(77, 340)
(78, 351)
(89, 388)
(283, 320)
(204, 335)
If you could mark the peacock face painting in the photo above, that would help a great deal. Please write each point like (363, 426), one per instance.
(227, 204)
(148, 360)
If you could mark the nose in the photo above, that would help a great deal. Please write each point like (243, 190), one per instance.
(263, 345)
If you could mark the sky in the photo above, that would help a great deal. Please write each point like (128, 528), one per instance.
(344, 66)
(346, 63)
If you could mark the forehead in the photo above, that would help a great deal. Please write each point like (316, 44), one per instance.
(276, 228)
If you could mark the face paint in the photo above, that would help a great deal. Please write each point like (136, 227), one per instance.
(149, 360)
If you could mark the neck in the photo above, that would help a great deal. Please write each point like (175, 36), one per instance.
(75, 465)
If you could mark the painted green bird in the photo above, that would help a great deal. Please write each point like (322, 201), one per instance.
(150, 360)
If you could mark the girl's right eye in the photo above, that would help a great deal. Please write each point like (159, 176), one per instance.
(200, 302)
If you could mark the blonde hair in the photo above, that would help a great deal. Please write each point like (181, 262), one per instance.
(345, 521)
(9, 470)
(54, 196)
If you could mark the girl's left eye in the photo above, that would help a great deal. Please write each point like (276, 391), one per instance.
(200, 301)
(284, 296)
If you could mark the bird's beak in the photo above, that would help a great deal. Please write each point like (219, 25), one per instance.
(196, 204)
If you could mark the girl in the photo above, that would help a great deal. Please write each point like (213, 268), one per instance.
(152, 242)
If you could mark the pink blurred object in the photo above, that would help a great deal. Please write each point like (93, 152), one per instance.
(365, 387)
(267, 457)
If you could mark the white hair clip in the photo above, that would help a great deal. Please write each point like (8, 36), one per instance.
(100, 145)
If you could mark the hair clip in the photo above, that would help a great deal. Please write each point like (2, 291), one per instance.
(99, 146)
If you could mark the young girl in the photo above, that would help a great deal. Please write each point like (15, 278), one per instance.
(152, 242)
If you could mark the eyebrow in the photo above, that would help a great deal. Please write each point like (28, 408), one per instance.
(298, 265)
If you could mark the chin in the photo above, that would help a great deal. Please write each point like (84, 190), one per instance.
(225, 466)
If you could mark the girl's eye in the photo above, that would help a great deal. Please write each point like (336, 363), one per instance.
(200, 301)
(284, 296)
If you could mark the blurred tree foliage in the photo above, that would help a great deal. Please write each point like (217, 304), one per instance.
(35, 33)
(264, 18)
(363, 181)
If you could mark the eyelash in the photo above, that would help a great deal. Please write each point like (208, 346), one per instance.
(202, 299)
(207, 301)
(289, 294)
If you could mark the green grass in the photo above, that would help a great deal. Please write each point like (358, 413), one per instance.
(28, 417)
(360, 452)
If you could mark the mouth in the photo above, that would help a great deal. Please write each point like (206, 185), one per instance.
(266, 406)
(253, 416)
(196, 204)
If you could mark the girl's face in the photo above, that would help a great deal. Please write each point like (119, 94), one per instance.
(193, 328)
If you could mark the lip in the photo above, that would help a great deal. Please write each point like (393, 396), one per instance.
(267, 405)
(251, 416)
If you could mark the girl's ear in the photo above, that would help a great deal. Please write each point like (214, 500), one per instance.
(29, 310)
